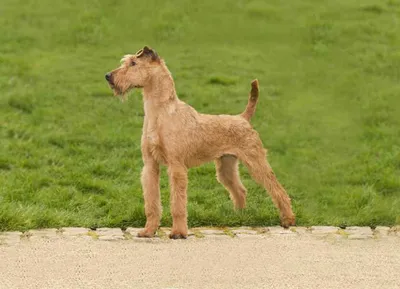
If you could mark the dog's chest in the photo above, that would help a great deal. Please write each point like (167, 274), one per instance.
(153, 141)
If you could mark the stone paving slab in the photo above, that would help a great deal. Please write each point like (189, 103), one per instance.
(77, 232)
(395, 231)
(164, 232)
(109, 234)
(250, 236)
(324, 230)
(359, 233)
(10, 238)
(208, 231)
(381, 231)
(301, 230)
(204, 233)
(43, 234)
(244, 230)
(133, 231)
(279, 231)
(74, 231)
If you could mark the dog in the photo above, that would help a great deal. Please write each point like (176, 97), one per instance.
(179, 137)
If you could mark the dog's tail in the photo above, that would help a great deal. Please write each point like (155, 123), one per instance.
(252, 103)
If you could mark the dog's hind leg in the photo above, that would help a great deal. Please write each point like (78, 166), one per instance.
(228, 175)
(254, 158)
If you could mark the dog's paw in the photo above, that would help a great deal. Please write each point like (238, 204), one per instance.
(286, 222)
(177, 236)
(145, 234)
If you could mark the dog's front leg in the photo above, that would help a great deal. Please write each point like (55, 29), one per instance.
(151, 193)
(178, 182)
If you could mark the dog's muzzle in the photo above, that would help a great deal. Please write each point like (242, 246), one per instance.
(109, 78)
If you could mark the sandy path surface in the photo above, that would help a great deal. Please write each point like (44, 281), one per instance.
(274, 262)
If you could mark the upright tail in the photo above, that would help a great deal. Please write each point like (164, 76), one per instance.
(251, 104)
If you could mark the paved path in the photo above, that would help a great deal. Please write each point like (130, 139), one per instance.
(261, 260)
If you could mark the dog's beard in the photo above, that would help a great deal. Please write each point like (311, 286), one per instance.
(119, 93)
(122, 94)
(122, 97)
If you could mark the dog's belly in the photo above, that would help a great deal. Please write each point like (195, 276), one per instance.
(198, 161)
(207, 153)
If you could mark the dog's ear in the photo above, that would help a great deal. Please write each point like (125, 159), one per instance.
(139, 53)
(147, 51)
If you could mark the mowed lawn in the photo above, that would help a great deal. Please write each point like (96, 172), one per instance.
(329, 108)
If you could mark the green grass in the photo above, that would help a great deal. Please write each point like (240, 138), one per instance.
(329, 110)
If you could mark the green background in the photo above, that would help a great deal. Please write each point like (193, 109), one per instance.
(329, 107)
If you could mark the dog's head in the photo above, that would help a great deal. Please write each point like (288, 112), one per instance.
(136, 71)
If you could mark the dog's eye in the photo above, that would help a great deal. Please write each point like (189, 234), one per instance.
(133, 63)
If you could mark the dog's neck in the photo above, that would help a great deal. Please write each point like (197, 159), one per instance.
(161, 89)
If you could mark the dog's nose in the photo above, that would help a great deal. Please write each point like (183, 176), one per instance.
(108, 77)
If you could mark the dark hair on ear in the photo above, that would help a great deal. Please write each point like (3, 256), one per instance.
(147, 51)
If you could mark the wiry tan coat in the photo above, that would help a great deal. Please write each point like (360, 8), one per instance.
(176, 135)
